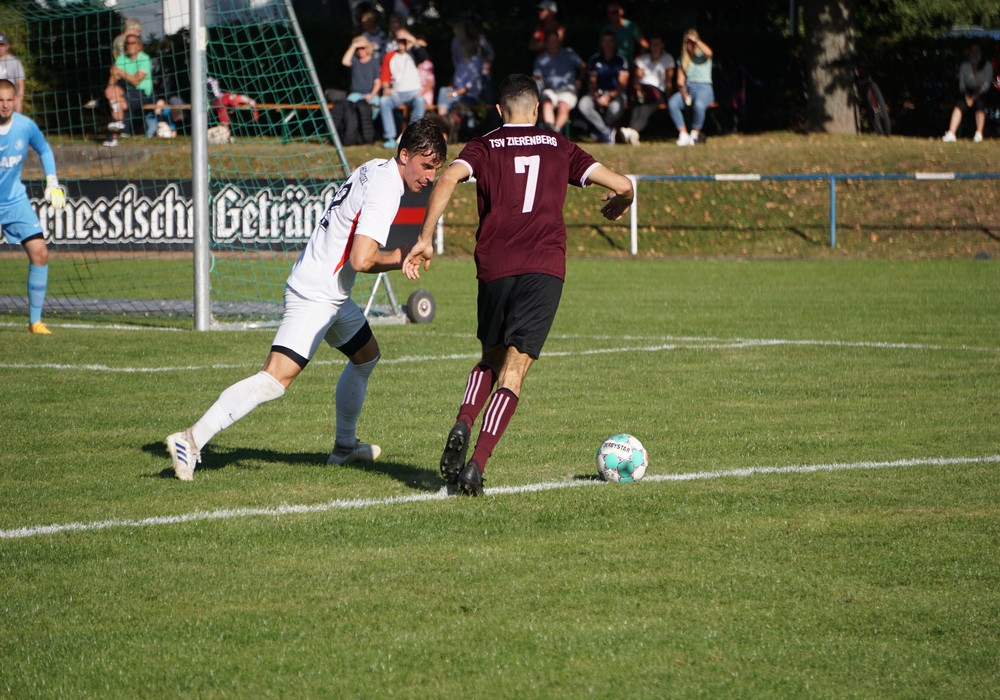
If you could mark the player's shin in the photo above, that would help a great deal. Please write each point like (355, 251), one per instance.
(499, 411)
(351, 389)
(477, 392)
(38, 282)
(234, 403)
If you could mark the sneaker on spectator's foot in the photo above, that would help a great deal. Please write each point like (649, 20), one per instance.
(391, 143)
(948, 137)
(978, 138)
(359, 453)
(184, 455)
(684, 139)
(110, 142)
(116, 126)
(91, 104)
(470, 480)
(453, 457)
(39, 328)
(630, 135)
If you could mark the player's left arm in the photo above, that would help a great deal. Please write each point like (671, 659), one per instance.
(621, 195)
(54, 193)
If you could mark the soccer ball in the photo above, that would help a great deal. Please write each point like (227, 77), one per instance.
(622, 458)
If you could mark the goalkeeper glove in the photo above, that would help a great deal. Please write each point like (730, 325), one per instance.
(54, 194)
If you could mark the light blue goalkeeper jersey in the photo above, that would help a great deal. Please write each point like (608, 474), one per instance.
(22, 133)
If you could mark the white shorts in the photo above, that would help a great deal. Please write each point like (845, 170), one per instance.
(305, 324)
(555, 97)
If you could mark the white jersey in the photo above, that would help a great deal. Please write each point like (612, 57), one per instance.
(365, 205)
(654, 73)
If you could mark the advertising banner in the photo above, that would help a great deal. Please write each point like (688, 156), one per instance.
(159, 215)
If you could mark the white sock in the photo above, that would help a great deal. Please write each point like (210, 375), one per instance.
(234, 403)
(351, 390)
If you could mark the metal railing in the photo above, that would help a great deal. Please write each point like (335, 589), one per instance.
(832, 178)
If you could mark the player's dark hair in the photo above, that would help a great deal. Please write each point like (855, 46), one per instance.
(517, 90)
(8, 83)
(423, 137)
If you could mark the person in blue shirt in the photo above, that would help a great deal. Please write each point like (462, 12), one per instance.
(18, 221)
(607, 91)
(559, 73)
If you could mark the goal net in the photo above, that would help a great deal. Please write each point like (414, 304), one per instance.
(123, 244)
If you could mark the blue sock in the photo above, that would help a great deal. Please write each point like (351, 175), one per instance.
(38, 282)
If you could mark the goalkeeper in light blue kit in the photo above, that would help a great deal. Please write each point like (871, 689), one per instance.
(18, 221)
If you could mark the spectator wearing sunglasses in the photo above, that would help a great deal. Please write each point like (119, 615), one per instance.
(130, 86)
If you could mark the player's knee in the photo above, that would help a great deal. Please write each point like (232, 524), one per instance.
(38, 253)
(365, 368)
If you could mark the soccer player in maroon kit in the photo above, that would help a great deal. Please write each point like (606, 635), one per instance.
(521, 175)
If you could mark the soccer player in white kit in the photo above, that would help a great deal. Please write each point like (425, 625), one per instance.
(318, 305)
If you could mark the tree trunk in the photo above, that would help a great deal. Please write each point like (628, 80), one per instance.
(829, 29)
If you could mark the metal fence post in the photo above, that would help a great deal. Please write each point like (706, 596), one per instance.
(634, 215)
(833, 212)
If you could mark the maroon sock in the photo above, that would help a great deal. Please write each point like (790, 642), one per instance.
(477, 391)
(498, 414)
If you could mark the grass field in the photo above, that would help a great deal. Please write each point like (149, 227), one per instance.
(821, 516)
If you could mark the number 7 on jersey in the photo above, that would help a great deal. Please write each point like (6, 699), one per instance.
(528, 164)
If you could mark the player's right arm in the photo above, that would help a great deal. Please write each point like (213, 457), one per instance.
(367, 256)
(621, 195)
(423, 250)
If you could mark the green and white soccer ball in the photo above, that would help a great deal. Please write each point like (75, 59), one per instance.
(622, 458)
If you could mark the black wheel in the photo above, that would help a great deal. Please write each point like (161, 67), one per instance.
(873, 112)
(420, 307)
(880, 112)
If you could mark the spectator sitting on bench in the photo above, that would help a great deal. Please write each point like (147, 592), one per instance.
(608, 75)
(694, 88)
(130, 86)
(400, 86)
(559, 72)
(366, 83)
(975, 79)
(653, 79)
(466, 82)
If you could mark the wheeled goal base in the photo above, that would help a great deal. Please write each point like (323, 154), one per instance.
(382, 307)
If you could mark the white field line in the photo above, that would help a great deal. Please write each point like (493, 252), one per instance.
(95, 326)
(340, 504)
(670, 344)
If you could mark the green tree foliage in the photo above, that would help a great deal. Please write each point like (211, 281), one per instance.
(894, 20)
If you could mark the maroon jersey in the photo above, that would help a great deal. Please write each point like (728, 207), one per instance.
(521, 176)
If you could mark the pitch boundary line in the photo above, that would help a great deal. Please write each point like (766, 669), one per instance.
(348, 504)
(672, 345)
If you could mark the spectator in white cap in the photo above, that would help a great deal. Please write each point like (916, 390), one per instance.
(547, 10)
(12, 70)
